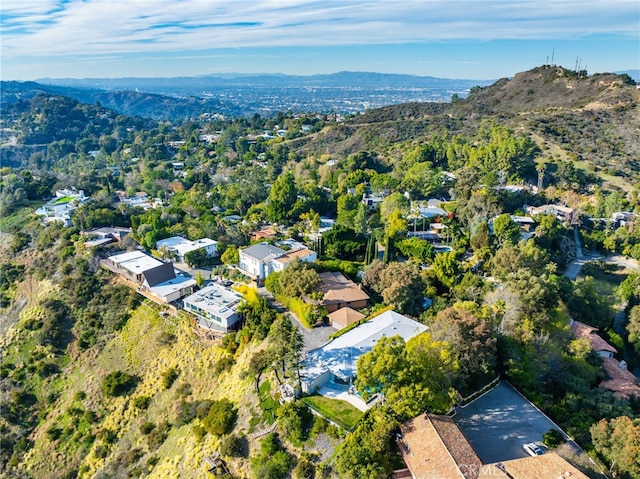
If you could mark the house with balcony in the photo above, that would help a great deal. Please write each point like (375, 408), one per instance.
(260, 260)
(178, 246)
(62, 206)
(215, 308)
(152, 278)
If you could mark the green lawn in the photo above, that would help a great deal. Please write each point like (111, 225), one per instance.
(337, 410)
(63, 200)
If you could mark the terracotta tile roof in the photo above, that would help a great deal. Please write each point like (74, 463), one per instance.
(623, 383)
(546, 466)
(581, 330)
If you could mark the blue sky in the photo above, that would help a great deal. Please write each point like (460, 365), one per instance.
(475, 39)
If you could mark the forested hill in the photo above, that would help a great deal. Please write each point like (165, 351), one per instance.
(126, 102)
(98, 381)
(593, 118)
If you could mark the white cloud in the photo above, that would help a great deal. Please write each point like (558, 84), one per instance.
(102, 27)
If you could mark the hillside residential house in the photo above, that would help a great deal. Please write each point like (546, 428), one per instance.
(562, 213)
(373, 200)
(434, 447)
(264, 234)
(61, 207)
(260, 260)
(153, 278)
(598, 345)
(526, 224)
(335, 362)
(340, 292)
(179, 246)
(621, 381)
(105, 235)
(215, 308)
(140, 199)
(431, 211)
(623, 218)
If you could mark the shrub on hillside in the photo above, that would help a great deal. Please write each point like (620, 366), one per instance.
(234, 446)
(168, 377)
(220, 417)
(117, 383)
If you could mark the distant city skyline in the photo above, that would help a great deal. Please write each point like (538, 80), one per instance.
(473, 39)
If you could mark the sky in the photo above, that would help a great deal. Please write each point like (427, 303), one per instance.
(472, 39)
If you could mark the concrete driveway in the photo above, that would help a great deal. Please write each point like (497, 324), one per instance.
(500, 422)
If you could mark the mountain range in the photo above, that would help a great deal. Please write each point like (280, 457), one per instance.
(245, 95)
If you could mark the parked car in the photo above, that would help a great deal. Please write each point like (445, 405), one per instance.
(532, 449)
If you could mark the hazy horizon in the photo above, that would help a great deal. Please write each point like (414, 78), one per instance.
(468, 39)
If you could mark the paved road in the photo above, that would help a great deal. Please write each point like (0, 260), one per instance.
(500, 422)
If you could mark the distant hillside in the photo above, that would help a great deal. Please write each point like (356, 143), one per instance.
(594, 118)
(194, 85)
(126, 102)
(243, 95)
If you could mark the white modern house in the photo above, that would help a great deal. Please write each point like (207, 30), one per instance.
(61, 207)
(153, 278)
(262, 259)
(180, 246)
(335, 362)
(215, 307)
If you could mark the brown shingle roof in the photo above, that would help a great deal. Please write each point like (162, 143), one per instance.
(546, 466)
(623, 383)
(433, 447)
(457, 445)
(263, 234)
(424, 452)
(293, 255)
(581, 330)
(337, 288)
(345, 316)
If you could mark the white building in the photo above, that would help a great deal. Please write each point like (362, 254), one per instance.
(161, 281)
(260, 260)
(336, 361)
(562, 213)
(181, 246)
(61, 207)
(215, 307)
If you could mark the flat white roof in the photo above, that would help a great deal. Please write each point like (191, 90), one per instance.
(341, 354)
(183, 245)
(215, 299)
(136, 261)
(163, 290)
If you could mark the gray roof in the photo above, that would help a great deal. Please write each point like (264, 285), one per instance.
(159, 274)
(261, 250)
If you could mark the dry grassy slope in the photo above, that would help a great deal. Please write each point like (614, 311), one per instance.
(549, 88)
(136, 349)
